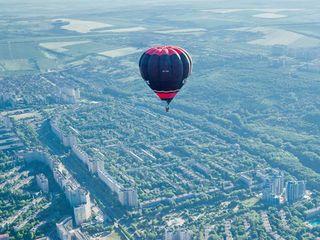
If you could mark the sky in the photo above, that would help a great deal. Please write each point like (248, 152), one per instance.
(20, 8)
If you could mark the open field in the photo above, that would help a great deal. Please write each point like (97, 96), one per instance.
(60, 47)
(176, 222)
(182, 31)
(236, 10)
(269, 15)
(112, 236)
(120, 52)
(26, 115)
(17, 65)
(274, 36)
(19, 50)
(124, 30)
(81, 26)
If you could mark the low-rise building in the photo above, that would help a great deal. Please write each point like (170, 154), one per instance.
(178, 234)
(65, 231)
(4, 236)
(69, 95)
(246, 180)
(312, 213)
(227, 185)
(82, 213)
(7, 123)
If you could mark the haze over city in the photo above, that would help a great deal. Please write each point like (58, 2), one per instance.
(179, 120)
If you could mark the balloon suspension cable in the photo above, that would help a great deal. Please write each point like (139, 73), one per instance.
(167, 107)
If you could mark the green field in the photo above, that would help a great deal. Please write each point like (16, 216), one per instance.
(17, 65)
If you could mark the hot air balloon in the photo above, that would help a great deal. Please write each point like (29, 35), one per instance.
(165, 70)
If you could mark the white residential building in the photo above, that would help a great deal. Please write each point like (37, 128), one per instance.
(43, 182)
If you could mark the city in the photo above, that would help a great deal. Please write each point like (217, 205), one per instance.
(88, 152)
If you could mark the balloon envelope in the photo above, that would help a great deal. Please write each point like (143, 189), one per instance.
(165, 69)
